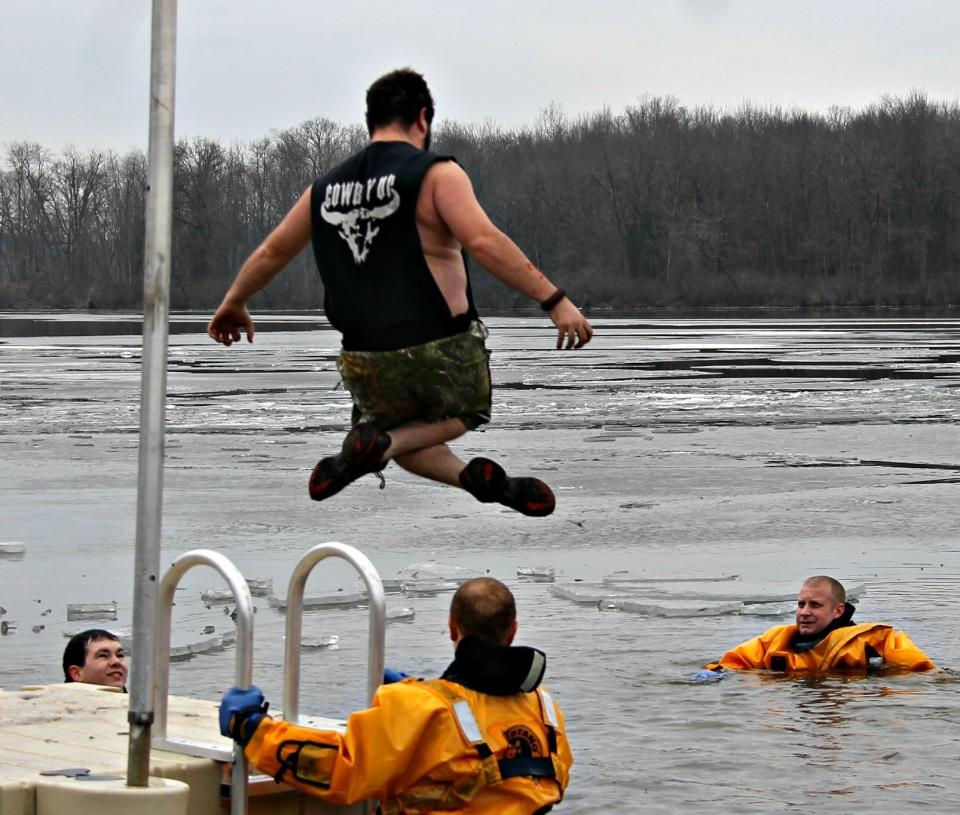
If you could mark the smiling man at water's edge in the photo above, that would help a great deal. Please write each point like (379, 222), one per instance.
(389, 227)
(95, 657)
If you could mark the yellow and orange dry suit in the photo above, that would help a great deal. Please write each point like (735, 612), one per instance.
(841, 649)
(428, 746)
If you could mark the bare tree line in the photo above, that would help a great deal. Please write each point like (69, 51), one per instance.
(657, 205)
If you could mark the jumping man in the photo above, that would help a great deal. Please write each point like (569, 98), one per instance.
(389, 227)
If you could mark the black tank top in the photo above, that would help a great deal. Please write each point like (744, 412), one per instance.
(378, 290)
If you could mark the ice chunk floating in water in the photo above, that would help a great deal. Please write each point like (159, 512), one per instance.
(431, 570)
(632, 577)
(214, 596)
(403, 615)
(259, 587)
(329, 642)
(391, 585)
(431, 578)
(654, 610)
(210, 645)
(584, 594)
(537, 574)
(334, 600)
(91, 611)
(428, 587)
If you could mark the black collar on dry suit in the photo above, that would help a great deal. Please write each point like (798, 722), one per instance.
(807, 642)
(499, 670)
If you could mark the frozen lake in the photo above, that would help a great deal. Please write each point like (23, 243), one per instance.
(768, 449)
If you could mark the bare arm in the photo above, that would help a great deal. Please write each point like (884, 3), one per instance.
(457, 206)
(276, 251)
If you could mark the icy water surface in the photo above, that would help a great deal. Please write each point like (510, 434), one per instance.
(681, 451)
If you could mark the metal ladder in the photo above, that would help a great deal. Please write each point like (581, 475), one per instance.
(376, 626)
(240, 782)
(377, 621)
(243, 666)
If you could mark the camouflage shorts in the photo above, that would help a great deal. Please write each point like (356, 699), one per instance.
(443, 379)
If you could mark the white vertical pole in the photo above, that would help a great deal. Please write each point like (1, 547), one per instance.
(153, 392)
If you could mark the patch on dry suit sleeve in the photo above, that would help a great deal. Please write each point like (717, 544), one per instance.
(305, 761)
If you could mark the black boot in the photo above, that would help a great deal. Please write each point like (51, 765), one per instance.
(362, 451)
(486, 481)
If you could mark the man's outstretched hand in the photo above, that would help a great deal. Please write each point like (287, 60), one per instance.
(227, 322)
(574, 330)
(706, 675)
(391, 675)
(241, 712)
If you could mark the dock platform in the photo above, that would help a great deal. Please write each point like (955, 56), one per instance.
(63, 749)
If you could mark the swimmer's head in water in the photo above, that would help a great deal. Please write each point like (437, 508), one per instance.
(820, 602)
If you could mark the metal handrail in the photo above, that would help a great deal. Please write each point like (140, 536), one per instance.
(377, 625)
(243, 676)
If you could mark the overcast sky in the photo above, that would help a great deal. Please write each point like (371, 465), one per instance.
(77, 71)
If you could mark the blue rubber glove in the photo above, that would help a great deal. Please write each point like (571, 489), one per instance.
(391, 675)
(706, 675)
(241, 712)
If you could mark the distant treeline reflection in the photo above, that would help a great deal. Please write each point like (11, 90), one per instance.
(658, 205)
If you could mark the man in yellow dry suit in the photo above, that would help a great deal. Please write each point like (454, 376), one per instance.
(825, 638)
(484, 738)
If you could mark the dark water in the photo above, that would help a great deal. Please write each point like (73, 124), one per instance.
(770, 449)
(120, 323)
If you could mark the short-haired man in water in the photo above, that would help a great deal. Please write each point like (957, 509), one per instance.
(824, 638)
